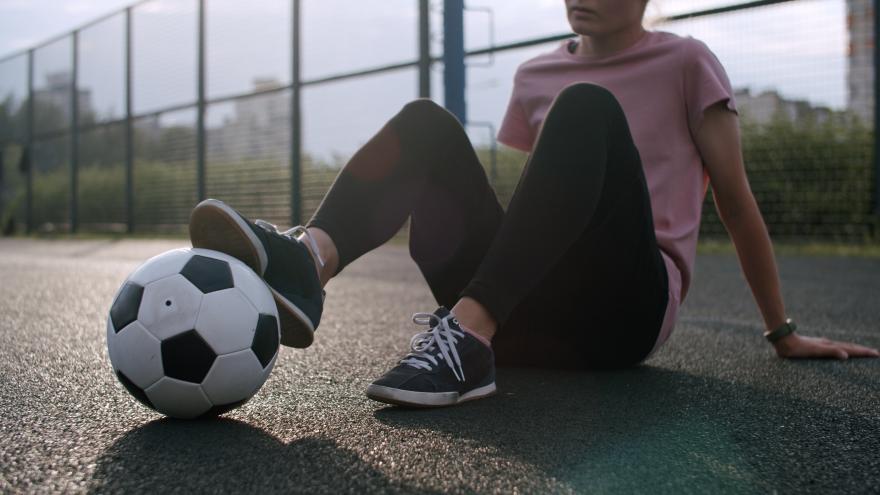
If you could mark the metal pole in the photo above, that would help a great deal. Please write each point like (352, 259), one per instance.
(295, 118)
(200, 124)
(453, 58)
(29, 148)
(129, 130)
(74, 135)
(424, 49)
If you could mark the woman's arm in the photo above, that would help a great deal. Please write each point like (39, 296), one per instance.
(718, 141)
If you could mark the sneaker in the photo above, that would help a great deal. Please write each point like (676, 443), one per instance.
(446, 366)
(287, 265)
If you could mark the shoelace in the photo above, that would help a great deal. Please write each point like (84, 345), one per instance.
(441, 337)
(292, 235)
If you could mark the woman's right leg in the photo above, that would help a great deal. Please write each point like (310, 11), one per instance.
(421, 165)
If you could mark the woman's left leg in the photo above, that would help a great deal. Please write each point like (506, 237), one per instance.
(574, 276)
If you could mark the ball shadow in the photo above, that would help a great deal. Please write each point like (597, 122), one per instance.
(223, 456)
(649, 429)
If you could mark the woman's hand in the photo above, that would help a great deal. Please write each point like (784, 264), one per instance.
(799, 346)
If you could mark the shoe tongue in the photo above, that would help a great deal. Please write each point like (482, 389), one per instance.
(442, 312)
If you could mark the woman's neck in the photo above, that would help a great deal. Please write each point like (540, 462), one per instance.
(601, 46)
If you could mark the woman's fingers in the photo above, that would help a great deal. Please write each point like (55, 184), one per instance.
(799, 346)
(834, 351)
(818, 348)
(812, 347)
(855, 350)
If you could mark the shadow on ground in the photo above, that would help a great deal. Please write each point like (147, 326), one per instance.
(627, 431)
(620, 431)
(223, 455)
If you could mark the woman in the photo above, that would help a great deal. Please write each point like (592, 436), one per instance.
(591, 260)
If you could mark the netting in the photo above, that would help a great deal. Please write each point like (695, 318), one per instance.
(805, 104)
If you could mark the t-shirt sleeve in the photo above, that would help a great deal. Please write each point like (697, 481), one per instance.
(705, 83)
(515, 130)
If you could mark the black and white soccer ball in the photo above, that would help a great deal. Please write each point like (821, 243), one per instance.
(193, 332)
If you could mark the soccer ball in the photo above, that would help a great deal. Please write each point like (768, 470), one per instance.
(193, 333)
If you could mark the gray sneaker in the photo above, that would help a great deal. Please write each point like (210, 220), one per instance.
(284, 261)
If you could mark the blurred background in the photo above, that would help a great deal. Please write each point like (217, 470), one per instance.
(118, 116)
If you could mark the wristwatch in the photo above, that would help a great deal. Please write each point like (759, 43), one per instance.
(781, 331)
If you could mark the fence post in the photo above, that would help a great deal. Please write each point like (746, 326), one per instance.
(424, 49)
(453, 58)
(129, 130)
(28, 158)
(74, 134)
(200, 123)
(295, 117)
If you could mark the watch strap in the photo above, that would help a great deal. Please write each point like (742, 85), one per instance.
(781, 331)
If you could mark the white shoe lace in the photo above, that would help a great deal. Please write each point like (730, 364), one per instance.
(293, 234)
(440, 337)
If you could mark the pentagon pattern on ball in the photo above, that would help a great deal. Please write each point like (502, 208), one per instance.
(227, 321)
(187, 357)
(169, 306)
(134, 390)
(178, 399)
(233, 377)
(161, 266)
(254, 287)
(136, 353)
(208, 274)
(125, 307)
(265, 344)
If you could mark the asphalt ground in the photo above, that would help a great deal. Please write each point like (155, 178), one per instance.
(713, 411)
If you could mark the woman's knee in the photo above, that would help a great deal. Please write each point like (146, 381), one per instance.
(577, 97)
(424, 112)
(583, 91)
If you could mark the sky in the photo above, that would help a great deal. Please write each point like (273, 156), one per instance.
(797, 48)
(24, 23)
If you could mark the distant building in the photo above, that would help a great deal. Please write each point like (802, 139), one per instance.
(148, 127)
(56, 95)
(860, 58)
(762, 108)
(259, 128)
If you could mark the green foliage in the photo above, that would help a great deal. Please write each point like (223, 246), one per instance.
(6, 128)
(508, 167)
(810, 180)
(165, 192)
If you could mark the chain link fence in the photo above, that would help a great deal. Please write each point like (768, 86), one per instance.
(123, 124)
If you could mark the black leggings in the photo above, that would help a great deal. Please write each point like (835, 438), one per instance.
(571, 272)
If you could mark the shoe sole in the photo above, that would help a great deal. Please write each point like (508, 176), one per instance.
(411, 398)
(215, 225)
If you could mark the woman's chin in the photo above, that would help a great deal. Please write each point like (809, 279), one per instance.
(583, 28)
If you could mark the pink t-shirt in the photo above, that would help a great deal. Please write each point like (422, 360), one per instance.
(664, 82)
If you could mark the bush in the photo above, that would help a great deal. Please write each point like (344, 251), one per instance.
(812, 182)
